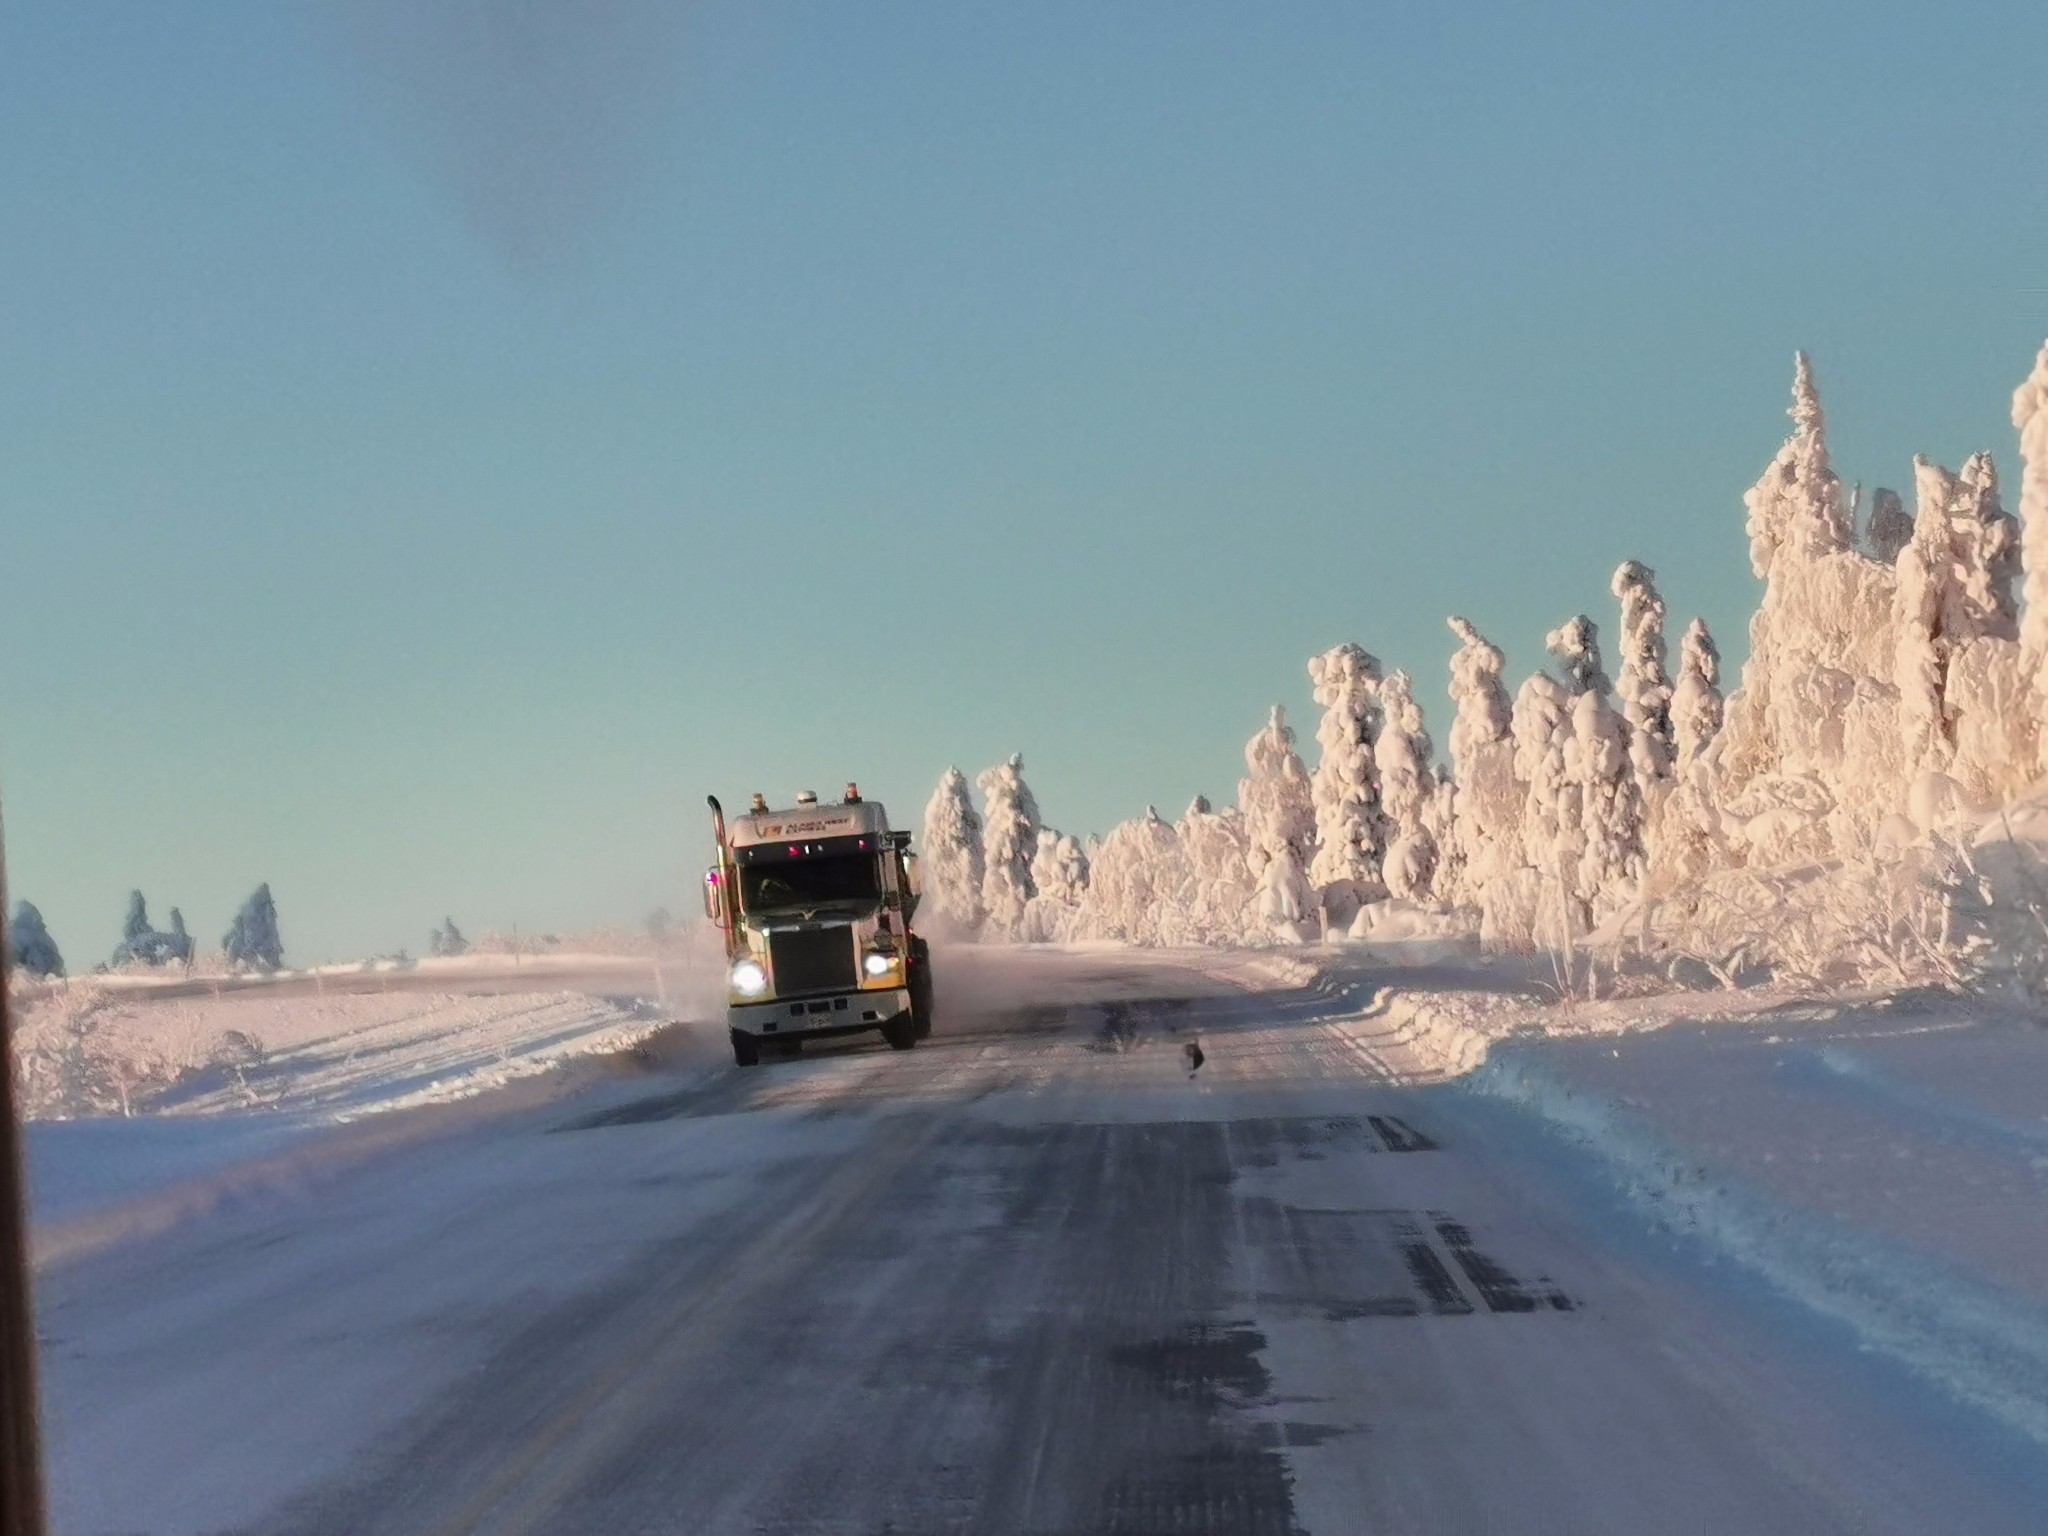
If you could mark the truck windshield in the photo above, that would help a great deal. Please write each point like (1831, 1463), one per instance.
(849, 880)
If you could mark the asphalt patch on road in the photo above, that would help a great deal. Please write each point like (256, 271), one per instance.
(1353, 1264)
(1397, 1135)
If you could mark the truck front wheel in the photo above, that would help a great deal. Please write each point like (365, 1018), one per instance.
(921, 986)
(746, 1050)
(901, 1032)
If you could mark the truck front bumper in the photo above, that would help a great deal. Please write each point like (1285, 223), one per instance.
(837, 1013)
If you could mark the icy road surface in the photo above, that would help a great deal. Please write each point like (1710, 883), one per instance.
(1033, 1277)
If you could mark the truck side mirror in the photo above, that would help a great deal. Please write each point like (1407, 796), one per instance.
(714, 896)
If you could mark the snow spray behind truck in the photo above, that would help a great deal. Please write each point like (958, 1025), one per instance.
(815, 903)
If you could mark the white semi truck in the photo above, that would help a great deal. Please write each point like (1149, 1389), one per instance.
(815, 903)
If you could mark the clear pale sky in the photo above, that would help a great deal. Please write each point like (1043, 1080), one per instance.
(441, 442)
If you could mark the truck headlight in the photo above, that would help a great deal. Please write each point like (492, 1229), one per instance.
(877, 964)
(748, 979)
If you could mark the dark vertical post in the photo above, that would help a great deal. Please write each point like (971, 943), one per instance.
(21, 1467)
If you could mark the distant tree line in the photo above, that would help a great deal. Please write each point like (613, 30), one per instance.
(252, 941)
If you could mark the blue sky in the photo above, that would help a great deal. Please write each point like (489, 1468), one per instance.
(440, 443)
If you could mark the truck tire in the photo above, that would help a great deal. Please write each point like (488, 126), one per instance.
(901, 1032)
(921, 986)
(746, 1050)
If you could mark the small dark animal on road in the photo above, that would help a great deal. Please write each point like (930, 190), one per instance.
(1195, 1056)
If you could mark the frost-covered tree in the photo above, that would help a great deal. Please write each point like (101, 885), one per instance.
(30, 949)
(1917, 609)
(1059, 867)
(1136, 884)
(1486, 806)
(1219, 895)
(142, 942)
(1696, 703)
(1541, 725)
(1811, 756)
(1643, 685)
(1593, 818)
(177, 943)
(1576, 645)
(1485, 712)
(1279, 823)
(1285, 901)
(1799, 505)
(136, 924)
(447, 940)
(1889, 528)
(1059, 871)
(2030, 420)
(1009, 838)
(1984, 558)
(1686, 840)
(952, 862)
(1408, 791)
(1609, 804)
(253, 939)
(1279, 810)
(1955, 581)
(1351, 827)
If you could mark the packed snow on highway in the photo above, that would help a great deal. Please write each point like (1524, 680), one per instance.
(1419, 1246)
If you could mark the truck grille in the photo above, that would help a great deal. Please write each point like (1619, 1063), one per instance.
(812, 959)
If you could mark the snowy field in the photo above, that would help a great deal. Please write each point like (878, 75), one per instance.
(1418, 1248)
(148, 1101)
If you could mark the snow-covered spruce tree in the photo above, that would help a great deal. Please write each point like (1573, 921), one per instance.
(1009, 838)
(1696, 702)
(1576, 645)
(1540, 726)
(141, 942)
(1889, 528)
(1643, 685)
(177, 943)
(1408, 791)
(1351, 826)
(1059, 871)
(1610, 806)
(1219, 895)
(1799, 504)
(1985, 688)
(1279, 825)
(136, 924)
(1958, 667)
(447, 941)
(952, 856)
(1596, 824)
(2030, 420)
(1811, 755)
(253, 939)
(1136, 884)
(30, 949)
(1486, 807)
(1916, 610)
(1535, 880)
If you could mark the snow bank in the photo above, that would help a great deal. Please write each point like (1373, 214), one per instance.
(1973, 1339)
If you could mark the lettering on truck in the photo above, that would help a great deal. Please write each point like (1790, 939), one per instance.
(777, 829)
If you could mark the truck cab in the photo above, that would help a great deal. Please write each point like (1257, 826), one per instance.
(815, 903)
